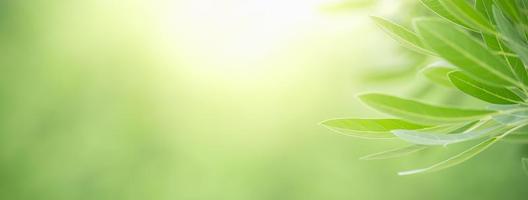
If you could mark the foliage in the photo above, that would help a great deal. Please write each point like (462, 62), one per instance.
(481, 48)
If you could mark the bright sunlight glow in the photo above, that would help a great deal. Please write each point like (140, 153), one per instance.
(237, 35)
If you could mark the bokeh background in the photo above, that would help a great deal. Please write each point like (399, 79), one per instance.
(214, 99)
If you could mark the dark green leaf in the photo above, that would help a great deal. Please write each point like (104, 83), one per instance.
(494, 42)
(467, 14)
(466, 53)
(513, 38)
(488, 93)
(436, 7)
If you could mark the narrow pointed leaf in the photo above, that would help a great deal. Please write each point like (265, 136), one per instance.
(437, 73)
(485, 8)
(511, 9)
(488, 93)
(420, 112)
(462, 50)
(369, 128)
(394, 153)
(455, 160)
(513, 37)
(494, 42)
(438, 138)
(403, 35)
(467, 14)
(436, 7)
(512, 118)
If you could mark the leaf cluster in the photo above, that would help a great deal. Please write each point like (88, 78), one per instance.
(482, 46)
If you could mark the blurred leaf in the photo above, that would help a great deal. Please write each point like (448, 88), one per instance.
(467, 14)
(369, 128)
(440, 138)
(437, 73)
(455, 160)
(420, 112)
(401, 71)
(403, 35)
(394, 153)
(466, 53)
(488, 93)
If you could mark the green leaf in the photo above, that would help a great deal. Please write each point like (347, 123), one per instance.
(394, 153)
(485, 8)
(511, 9)
(494, 42)
(467, 14)
(403, 151)
(369, 128)
(437, 73)
(440, 138)
(488, 93)
(420, 112)
(436, 7)
(403, 35)
(513, 37)
(462, 50)
(455, 160)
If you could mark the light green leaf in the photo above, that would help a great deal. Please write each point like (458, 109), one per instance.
(437, 73)
(460, 158)
(440, 138)
(420, 112)
(467, 14)
(455, 160)
(403, 35)
(507, 108)
(394, 153)
(511, 117)
(369, 128)
(462, 50)
(488, 93)
(440, 10)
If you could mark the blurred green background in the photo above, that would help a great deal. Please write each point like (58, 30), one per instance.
(209, 99)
